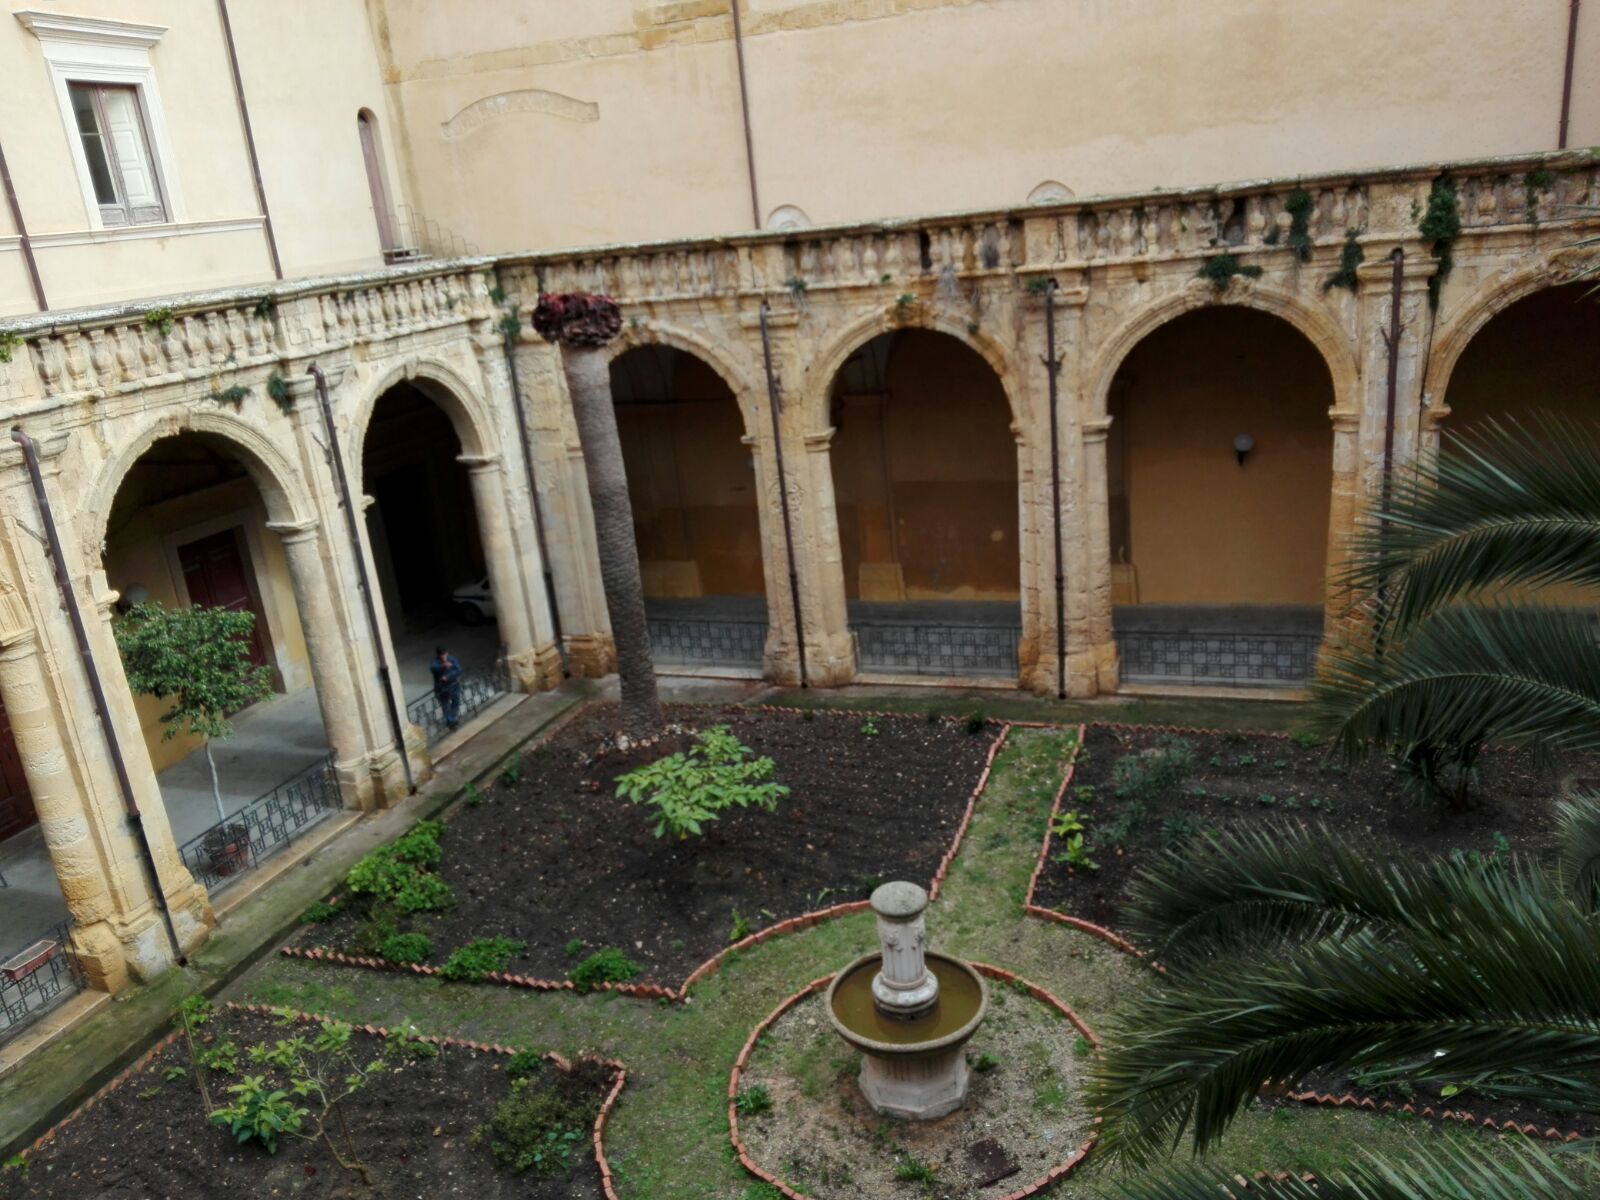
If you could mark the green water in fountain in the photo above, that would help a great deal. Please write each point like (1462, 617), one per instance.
(959, 997)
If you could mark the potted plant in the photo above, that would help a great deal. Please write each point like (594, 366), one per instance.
(227, 848)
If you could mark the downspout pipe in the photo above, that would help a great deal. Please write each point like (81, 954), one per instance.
(69, 601)
(1392, 374)
(783, 496)
(22, 232)
(249, 138)
(1052, 363)
(1566, 77)
(744, 112)
(517, 411)
(396, 726)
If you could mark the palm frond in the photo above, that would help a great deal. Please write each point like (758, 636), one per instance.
(1579, 842)
(1234, 892)
(1461, 1171)
(1470, 674)
(1502, 505)
(1517, 994)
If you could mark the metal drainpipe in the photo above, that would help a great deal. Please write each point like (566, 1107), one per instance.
(1052, 363)
(69, 601)
(22, 232)
(1391, 384)
(384, 676)
(533, 491)
(249, 138)
(744, 112)
(783, 496)
(1566, 80)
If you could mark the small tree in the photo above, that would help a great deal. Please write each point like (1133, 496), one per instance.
(688, 791)
(200, 659)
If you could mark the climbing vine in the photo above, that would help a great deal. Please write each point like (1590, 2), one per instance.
(1221, 268)
(278, 389)
(8, 343)
(1299, 205)
(1440, 226)
(1533, 184)
(1350, 257)
(161, 320)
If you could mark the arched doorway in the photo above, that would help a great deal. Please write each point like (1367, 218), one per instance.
(423, 529)
(1540, 354)
(189, 527)
(1219, 475)
(925, 485)
(692, 486)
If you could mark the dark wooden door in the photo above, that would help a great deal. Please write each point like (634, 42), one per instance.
(216, 572)
(16, 804)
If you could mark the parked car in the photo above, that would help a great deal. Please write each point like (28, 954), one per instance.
(473, 603)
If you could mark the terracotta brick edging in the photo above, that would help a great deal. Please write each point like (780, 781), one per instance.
(618, 1069)
(1427, 1111)
(680, 994)
(1000, 975)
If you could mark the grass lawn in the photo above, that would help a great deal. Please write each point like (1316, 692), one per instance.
(668, 1137)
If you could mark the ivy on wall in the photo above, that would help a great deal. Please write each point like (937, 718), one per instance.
(1440, 226)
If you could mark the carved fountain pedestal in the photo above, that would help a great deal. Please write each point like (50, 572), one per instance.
(909, 1011)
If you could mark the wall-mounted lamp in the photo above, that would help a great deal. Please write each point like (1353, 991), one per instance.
(1243, 443)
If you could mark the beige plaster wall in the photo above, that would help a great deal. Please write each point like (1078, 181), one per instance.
(1201, 528)
(621, 120)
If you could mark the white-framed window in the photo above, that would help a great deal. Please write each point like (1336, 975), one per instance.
(116, 149)
(111, 113)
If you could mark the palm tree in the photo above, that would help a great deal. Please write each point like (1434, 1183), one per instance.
(1285, 952)
(1441, 655)
(581, 325)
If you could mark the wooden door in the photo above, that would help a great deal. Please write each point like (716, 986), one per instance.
(16, 804)
(216, 572)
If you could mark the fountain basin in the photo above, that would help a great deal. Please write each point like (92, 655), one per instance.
(914, 1069)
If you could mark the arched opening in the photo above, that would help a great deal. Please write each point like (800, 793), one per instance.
(424, 532)
(188, 528)
(925, 482)
(692, 485)
(372, 156)
(1540, 354)
(1219, 473)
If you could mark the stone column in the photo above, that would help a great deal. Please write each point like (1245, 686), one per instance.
(533, 665)
(1095, 660)
(830, 646)
(903, 987)
(332, 669)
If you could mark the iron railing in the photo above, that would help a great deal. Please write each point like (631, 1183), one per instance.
(708, 641)
(481, 685)
(37, 978)
(1284, 660)
(947, 648)
(234, 847)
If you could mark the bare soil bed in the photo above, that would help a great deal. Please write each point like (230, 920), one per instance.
(821, 1137)
(554, 859)
(412, 1127)
(1236, 781)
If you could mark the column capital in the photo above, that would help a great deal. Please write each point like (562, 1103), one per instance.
(293, 532)
(818, 441)
(479, 464)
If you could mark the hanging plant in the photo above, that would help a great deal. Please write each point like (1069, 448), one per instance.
(1351, 257)
(1440, 226)
(8, 344)
(278, 389)
(1299, 205)
(1221, 268)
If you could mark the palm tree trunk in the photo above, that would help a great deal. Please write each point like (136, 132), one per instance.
(589, 380)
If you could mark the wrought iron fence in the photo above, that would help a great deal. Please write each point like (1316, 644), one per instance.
(1222, 659)
(950, 648)
(480, 686)
(36, 979)
(234, 847)
(708, 641)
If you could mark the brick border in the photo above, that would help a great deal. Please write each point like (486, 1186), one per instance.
(1000, 975)
(1368, 1104)
(619, 1077)
(680, 994)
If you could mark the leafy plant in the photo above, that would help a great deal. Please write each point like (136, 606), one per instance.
(512, 772)
(278, 390)
(395, 873)
(985, 1063)
(199, 659)
(195, 1010)
(753, 1100)
(914, 1170)
(574, 947)
(471, 796)
(223, 1057)
(1129, 817)
(536, 1130)
(524, 1062)
(160, 319)
(1220, 269)
(1068, 823)
(234, 395)
(1299, 205)
(1440, 227)
(690, 790)
(869, 727)
(480, 957)
(260, 1113)
(405, 948)
(8, 344)
(1351, 256)
(741, 927)
(603, 966)
(1151, 774)
(1179, 829)
(321, 912)
(1075, 853)
(976, 720)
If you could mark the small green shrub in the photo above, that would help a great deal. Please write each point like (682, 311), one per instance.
(1220, 269)
(523, 1063)
(688, 791)
(976, 720)
(574, 947)
(395, 873)
(195, 1010)
(603, 966)
(985, 1063)
(753, 1100)
(1149, 775)
(260, 1113)
(536, 1130)
(321, 912)
(741, 927)
(479, 957)
(471, 795)
(512, 772)
(869, 727)
(223, 1058)
(8, 343)
(1180, 829)
(405, 948)
(914, 1170)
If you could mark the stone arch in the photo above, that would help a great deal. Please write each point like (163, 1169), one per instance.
(651, 333)
(820, 375)
(442, 383)
(1315, 324)
(281, 486)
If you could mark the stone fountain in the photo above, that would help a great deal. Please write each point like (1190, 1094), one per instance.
(909, 1011)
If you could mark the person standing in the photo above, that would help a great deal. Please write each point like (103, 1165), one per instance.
(446, 670)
